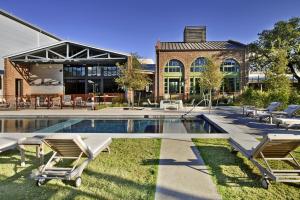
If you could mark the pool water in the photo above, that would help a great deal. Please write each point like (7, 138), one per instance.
(140, 125)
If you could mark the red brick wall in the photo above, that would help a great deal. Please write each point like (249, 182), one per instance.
(188, 57)
(10, 76)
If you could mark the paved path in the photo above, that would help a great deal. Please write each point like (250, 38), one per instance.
(182, 173)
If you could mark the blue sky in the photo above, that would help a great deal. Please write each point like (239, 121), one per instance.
(136, 25)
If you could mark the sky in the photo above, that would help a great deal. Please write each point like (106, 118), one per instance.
(136, 25)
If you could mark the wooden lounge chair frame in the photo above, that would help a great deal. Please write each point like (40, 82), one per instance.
(70, 148)
(273, 147)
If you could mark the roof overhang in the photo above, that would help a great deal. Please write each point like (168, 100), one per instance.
(66, 52)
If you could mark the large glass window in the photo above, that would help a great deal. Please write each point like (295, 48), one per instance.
(198, 65)
(110, 86)
(74, 86)
(74, 71)
(194, 86)
(110, 71)
(230, 65)
(94, 86)
(174, 66)
(94, 71)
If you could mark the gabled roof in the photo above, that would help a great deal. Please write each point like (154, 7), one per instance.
(21, 21)
(208, 45)
(65, 52)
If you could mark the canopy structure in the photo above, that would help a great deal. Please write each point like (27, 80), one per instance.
(66, 52)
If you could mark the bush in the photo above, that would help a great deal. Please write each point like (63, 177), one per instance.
(255, 98)
(294, 97)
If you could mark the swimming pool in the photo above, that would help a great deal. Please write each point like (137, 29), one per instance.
(99, 125)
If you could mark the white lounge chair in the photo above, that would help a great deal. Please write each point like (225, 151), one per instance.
(73, 147)
(152, 104)
(273, 147)
(252, 111)
(288, 122)
(288, 112)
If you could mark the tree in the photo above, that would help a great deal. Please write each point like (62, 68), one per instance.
(277, 83)
(211, 78)
(131, 77)
(284, 36)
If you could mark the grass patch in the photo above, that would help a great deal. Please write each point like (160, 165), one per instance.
(236, 177)
(118, 175)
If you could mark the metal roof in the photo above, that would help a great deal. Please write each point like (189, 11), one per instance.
(59, 44)
(208, 45)
(21, 21)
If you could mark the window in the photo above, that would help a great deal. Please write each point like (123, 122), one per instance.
(111, 71)
(74, 71)
(230, 65)
(174, 66)
(198, 64)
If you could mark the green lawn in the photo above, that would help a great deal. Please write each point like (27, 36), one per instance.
(118, 175)
(236, 177)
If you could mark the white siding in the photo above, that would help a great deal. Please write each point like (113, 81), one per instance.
(16, 37)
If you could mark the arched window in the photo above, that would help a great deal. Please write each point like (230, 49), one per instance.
(174, 66)
(198, 64)
(230, 65)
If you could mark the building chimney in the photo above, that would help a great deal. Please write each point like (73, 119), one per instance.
(194, 34)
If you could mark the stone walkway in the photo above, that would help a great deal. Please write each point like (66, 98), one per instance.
(182, 173)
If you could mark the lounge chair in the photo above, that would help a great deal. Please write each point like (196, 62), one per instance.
(152, 104)
(72, 147)
(288, 112)
(273, 147)
(288, 122)
(252, 111)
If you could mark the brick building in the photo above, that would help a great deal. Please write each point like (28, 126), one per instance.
(180, 63)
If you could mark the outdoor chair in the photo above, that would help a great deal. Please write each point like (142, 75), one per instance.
(78, 102)
(4, 103)
(91, 103)
(288, 112)
(252, 111)
(42, 101)
(23, 103)
(70, 147)
(67, 101)
(56, 102)
(152, 104)
(275, 148)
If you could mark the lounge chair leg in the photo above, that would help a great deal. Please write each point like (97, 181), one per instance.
(22, 154)
(108, 149)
